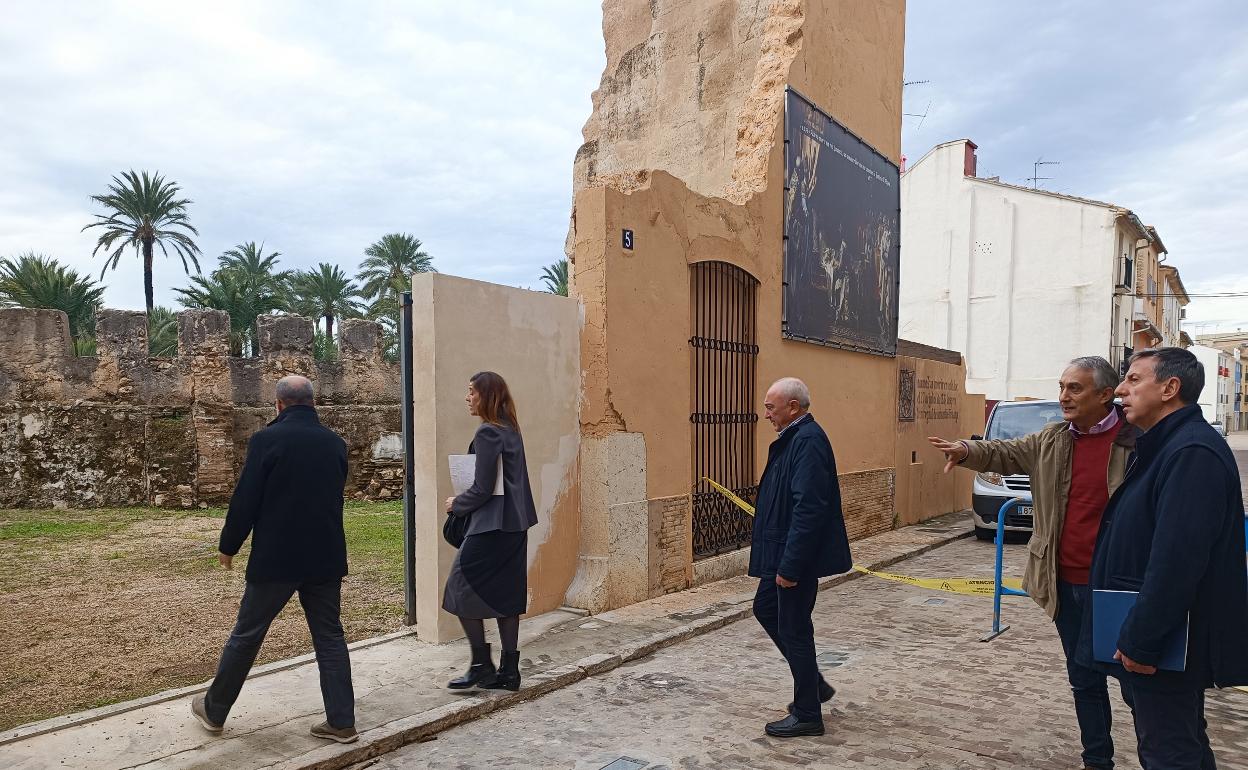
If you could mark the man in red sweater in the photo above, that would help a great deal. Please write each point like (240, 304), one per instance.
(1074, 466)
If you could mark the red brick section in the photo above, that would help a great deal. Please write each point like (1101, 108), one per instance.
(867, 500)
(669, 517)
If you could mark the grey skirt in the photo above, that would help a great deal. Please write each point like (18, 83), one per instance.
(489, 578)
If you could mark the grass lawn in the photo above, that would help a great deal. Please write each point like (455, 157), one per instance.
(111, 604)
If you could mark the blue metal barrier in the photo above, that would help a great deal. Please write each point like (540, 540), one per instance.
(997, 589)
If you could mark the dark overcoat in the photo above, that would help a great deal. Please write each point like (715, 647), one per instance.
(289, 499)
(1174, 532)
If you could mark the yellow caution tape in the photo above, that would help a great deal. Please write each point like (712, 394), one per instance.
(964, 586)
(728, 493)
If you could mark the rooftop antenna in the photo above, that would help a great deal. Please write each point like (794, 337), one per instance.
(922, 117)
(1035, 178)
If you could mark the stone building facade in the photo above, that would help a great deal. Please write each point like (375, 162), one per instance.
(122, 428)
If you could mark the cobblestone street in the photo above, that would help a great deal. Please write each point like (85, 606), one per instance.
(915, 689)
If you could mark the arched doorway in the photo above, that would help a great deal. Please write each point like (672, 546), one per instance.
(724, 417)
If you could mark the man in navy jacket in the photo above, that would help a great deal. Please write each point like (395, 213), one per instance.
(1174, 532)
(799, 537)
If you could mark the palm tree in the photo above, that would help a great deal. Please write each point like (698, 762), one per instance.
(162, 332)
(145, 212)
(325, 292)
(556, 278)
(384, 274)
(259, 274)
(37, 281)
(389, 263)
(249, 259)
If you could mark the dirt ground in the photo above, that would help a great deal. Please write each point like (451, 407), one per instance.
(104, 606)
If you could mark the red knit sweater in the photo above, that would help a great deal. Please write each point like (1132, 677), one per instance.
(1089, 493)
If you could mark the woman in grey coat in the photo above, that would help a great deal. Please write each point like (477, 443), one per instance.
(489, 578)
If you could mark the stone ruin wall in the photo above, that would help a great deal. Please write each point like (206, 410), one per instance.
(121, 428)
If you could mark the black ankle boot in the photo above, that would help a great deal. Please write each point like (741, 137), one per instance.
(508, 676)
(482, 668)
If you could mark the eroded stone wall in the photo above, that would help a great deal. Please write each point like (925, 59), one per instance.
(122, 428)
(693, 88)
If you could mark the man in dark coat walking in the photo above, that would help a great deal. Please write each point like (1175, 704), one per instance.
(289, 499)
(1174, 533)
(799, 537)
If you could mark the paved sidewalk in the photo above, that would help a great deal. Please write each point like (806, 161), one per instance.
(399, 684)
(916, 690)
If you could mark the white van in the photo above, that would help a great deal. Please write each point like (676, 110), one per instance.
(1009, 419)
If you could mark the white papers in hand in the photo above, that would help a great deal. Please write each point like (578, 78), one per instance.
(464, 472)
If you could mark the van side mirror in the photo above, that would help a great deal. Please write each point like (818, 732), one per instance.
(976, 437)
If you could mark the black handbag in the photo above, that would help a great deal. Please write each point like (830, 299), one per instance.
(454, 529)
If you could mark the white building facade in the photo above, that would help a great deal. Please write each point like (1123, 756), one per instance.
(1239, 417)
(1217, 399)
(1231, 400)
(1018, 280)
(1173, 308)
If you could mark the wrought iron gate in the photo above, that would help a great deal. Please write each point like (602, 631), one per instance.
(724, 346)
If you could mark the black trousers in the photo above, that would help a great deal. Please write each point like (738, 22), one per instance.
(784, 613)
(1170, 728)
(261, 603)
(1088, 685)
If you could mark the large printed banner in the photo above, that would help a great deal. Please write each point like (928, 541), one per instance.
(842, 243)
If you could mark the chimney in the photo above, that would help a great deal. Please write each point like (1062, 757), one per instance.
(970, 163)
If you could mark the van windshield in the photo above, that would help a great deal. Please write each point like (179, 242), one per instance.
(1015, 421)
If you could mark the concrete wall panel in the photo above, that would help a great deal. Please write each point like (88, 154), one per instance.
(532, 339)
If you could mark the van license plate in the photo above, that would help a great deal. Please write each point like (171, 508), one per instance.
(1024, 510)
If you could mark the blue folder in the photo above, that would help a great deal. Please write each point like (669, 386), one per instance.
(1109, 612)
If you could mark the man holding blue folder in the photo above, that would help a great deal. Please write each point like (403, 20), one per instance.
(1173, 536)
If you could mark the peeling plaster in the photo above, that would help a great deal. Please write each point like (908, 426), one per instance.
(557, 479)
(389, 446)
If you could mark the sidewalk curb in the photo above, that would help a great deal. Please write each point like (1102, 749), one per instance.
(418, 728)
(46, 726)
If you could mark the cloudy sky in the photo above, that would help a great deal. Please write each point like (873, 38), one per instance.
(1145, 105)
(317, 128)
